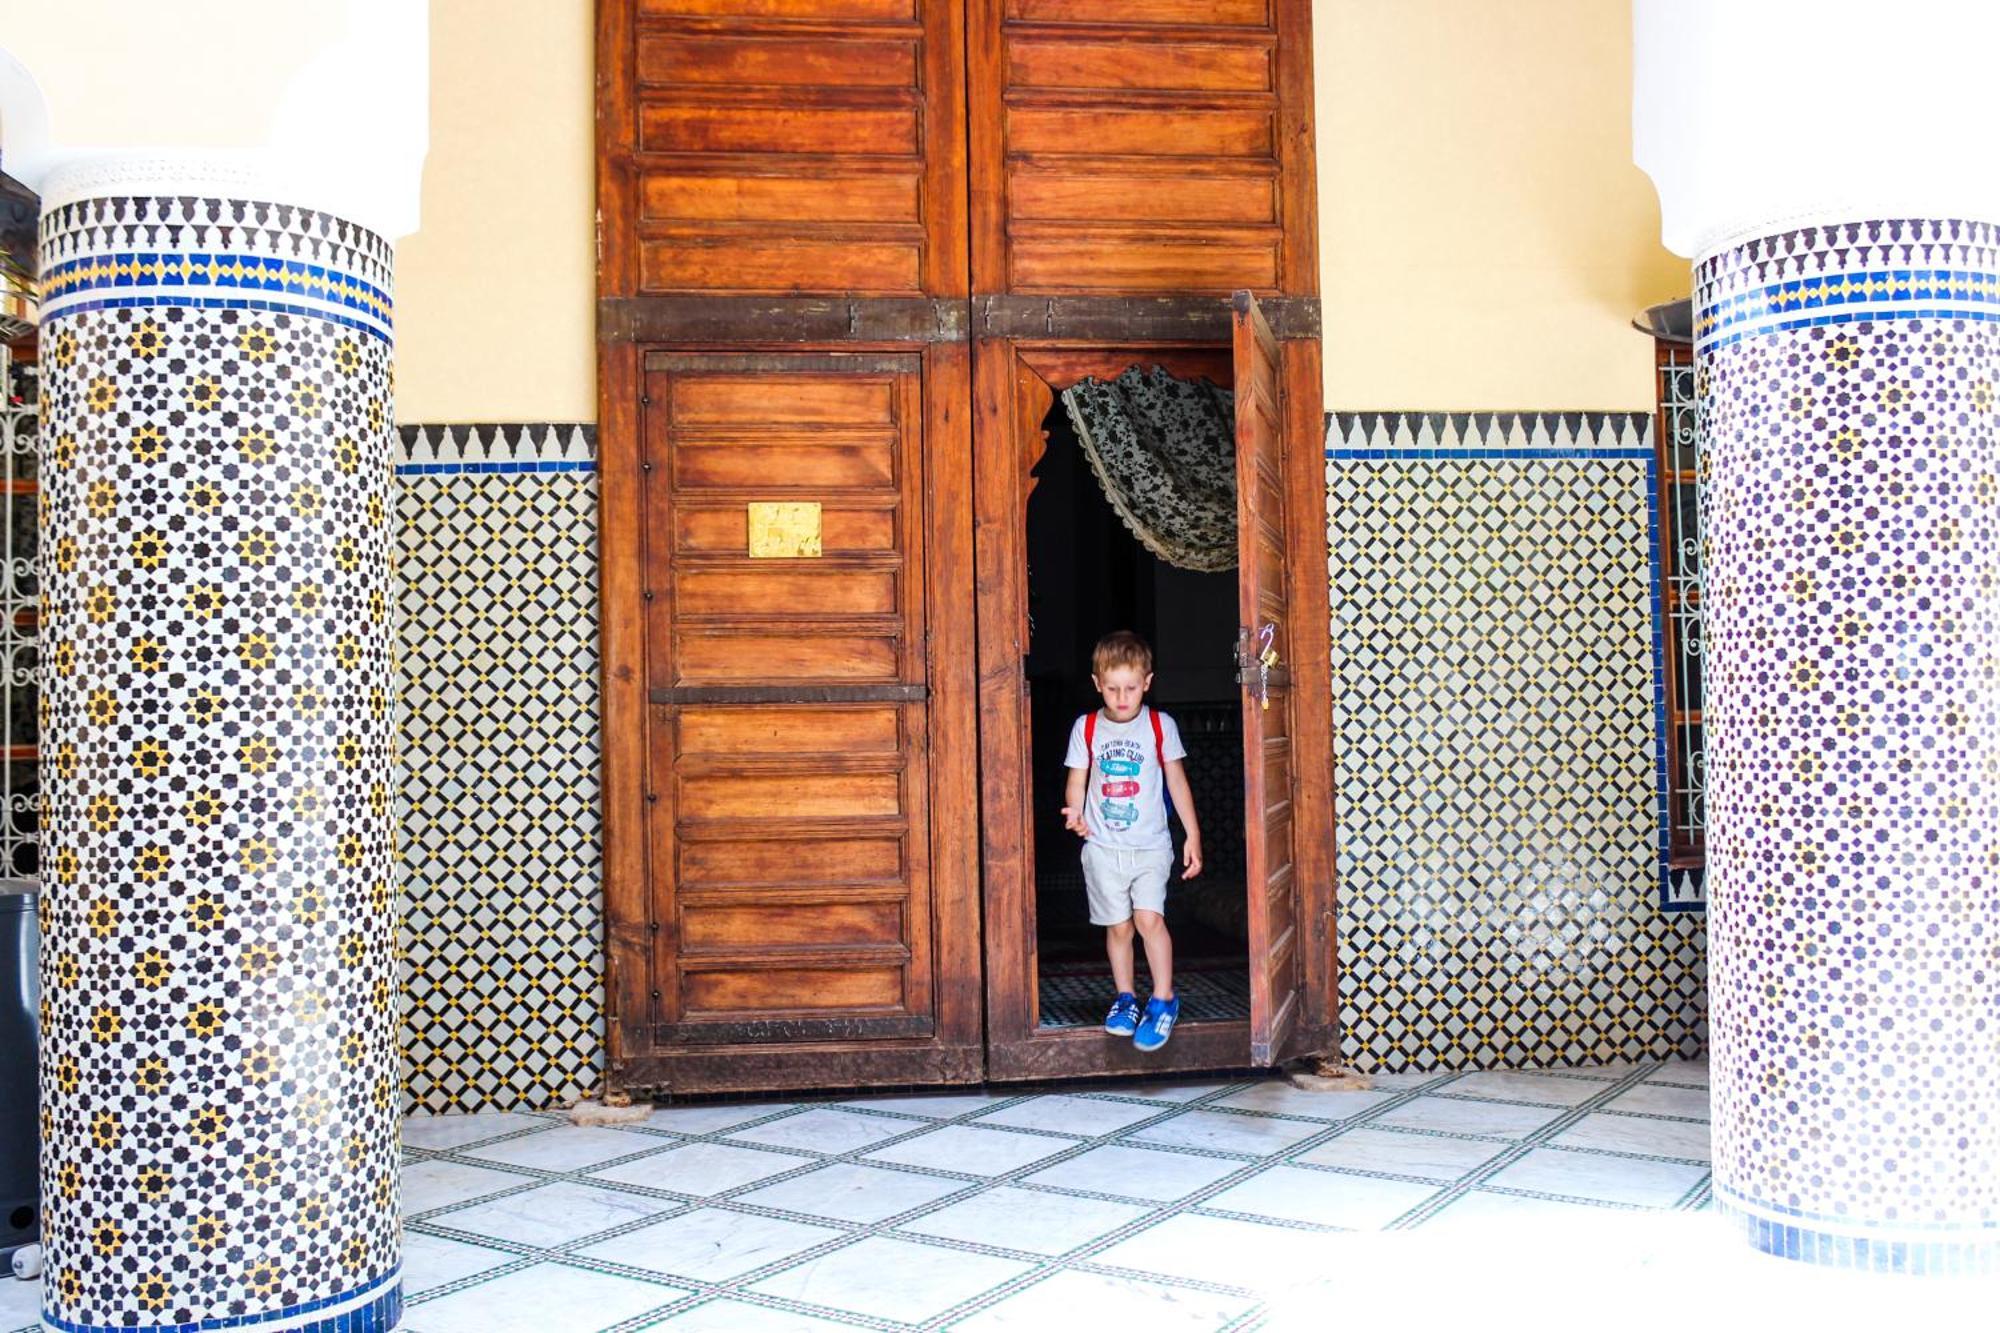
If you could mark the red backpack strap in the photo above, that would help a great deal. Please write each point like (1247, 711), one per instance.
(1159, 739)
(1090, 738)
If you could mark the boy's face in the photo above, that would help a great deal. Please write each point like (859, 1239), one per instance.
(1123, 688)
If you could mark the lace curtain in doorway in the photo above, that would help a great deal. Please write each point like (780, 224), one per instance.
(1164, 451)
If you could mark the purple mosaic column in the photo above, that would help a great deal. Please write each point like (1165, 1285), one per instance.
(1849, 385)
(218, 1062)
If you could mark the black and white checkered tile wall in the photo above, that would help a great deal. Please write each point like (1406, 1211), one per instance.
(496, 597)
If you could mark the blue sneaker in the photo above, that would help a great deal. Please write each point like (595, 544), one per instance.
(1123, 1020)
(1158, 1024)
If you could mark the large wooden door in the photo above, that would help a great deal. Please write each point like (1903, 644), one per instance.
(1277, 998)
(810, 922)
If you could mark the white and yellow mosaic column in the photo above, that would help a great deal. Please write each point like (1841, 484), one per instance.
(221, 1104)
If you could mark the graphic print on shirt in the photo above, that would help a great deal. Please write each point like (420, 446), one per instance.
(1120, 761)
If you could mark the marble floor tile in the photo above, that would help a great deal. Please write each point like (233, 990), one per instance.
(1429, 1156)
(850, 1192)
(703, 1169)
(1500, 1120)
(710, 1244)
(1030, 1220)
(1221, 1250)
(432, 1261)
(1323, 1198)
(826, 1130)
(1281, 1098)
(1509, 1085)
(445, 1133)
(1071, 1300)
(1219, 1131)
(713, 1118)
(1511, 1214)
(568, 1148)
(977, 1152)
(1089, 1117)
(1593, 1176)
(940, 1106)
(1406, 1080)
(1164, 1091)
(1663, 1099)
(547, 1298)
(20, 1304)
(554, 1214)
(1686, 1140)
(892, 1279)
(1690, 1073)
(1135, 1173)
(737, 1316)
(440, 1184)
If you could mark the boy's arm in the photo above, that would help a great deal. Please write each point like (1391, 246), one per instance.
(1073, 801)
(1177, 787)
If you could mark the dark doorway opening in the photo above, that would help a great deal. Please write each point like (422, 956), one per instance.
(1088, 575)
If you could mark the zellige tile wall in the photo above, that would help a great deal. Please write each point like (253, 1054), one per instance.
(496, 598)
(1495, 747)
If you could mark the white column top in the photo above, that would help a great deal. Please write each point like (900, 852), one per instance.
(320, 103)
(1755, 117)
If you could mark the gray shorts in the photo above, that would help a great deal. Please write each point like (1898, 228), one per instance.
(1121, 881)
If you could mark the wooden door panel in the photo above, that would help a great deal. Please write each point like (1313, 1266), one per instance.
(852, 864)
(724, 927)
(1262, 527)
(1103, 63)
(834, 590)
(1108, 193)
(784, 146)
(787, 656)
(1216, 13)
(881, 11)
(853, 529)
(681, 58)
(851, 196)
(1141, 146)
(791, 820)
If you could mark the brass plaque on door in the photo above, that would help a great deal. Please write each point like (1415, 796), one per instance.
(784, 530)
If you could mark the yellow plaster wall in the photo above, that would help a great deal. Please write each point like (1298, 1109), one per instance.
(495, 294)
(1484, 237)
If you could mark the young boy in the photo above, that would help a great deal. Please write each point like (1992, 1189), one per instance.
(1126, 758)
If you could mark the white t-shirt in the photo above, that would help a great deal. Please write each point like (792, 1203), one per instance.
(1124, 796)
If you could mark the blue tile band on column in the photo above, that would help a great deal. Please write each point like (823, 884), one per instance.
(1852, 594)
(219, 977)
(374, 1308)
(213, 254)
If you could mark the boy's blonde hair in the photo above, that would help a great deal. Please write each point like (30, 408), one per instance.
(1121, 648)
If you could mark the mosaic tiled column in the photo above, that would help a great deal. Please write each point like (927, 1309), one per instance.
(1848, 400)
(219, 1062)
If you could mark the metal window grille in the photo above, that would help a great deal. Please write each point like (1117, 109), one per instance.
(1682, 468)
(20, 619)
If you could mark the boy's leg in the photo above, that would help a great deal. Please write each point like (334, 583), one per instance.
(1118, 948)
(1152, 927)
(1104, 881)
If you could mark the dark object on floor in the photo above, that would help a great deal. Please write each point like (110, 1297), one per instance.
(1320, 1073)
(20, 1088)
(1080, 999)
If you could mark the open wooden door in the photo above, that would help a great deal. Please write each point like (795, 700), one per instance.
(1265, 653)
